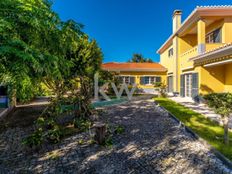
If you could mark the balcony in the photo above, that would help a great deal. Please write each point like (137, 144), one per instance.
(194, 51)
(190, 53)
(184, 58)
(211, 46)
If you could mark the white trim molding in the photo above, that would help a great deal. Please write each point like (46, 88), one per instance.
(218, 63)
(187, 68)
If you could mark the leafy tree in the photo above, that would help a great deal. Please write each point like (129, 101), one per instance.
(30, 45)
(86, 60)
(34, 44)
(149, 60)
(138, 58)
(221, 103)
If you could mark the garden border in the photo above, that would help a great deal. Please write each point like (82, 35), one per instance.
(225, 160)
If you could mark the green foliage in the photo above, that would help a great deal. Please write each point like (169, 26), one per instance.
(205, 128)
(108, 141)
(158, 84)
(34, 139)
(220, 102)
(119, 129)
(36, 47)
(162, 88)
(82, 124)
(54, 134)
(108, 77)
(29, 46)
(138, 58)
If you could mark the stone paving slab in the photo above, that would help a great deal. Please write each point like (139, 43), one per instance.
(152, 143)
(201, 109)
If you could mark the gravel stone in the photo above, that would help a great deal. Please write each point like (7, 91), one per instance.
(152, 143)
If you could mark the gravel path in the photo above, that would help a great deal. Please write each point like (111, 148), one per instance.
(152, 143)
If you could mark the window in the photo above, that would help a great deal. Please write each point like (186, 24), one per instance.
(214, 37)
(170, 52)
(149, 80)
(127, 79)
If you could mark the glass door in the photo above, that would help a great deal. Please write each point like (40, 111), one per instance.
(188, 87)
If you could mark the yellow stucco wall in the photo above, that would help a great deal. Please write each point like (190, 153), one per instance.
(228, 78)
(212, 79)
(166, 61)
(187, 42)
(226, 30)
(137, 76)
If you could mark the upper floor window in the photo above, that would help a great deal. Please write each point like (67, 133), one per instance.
(214, 37)
(170, 52)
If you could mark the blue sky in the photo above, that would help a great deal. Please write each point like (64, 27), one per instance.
(124, 27)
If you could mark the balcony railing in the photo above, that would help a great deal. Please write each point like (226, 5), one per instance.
(190, 53)
(194, 51)
(186, 55)
(211, 46)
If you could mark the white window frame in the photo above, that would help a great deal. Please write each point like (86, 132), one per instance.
(170, 52)
(124, 78)
(151, 76)
(210, 35)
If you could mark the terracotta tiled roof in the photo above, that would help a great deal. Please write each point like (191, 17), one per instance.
(215, 6)
(114, 66)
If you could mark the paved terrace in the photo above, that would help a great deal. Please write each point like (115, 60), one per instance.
(152, 143)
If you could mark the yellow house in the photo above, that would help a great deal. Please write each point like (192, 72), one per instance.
(198, 54)
(144, 75)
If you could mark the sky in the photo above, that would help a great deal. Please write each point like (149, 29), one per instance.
(125, 27)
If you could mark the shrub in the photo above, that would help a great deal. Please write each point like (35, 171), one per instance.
(53, 135)
(34, 139)
(162, 88)
(82, 124)
(221, 103)
(119, 129)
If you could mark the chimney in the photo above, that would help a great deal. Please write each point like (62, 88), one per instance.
(176, 20)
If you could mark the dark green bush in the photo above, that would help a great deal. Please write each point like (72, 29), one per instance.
(34, 139)
(82, 124)
(119, 129)
(221, 102)
(53, 135)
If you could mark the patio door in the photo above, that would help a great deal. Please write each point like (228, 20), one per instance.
(182, 85)
(195, 83)
(170, 83)
(188, 85)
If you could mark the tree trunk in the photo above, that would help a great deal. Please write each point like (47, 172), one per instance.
(100, 133)
(225, 125)
(13, 102)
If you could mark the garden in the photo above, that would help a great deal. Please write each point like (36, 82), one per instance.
(41, 55)
(218, 136)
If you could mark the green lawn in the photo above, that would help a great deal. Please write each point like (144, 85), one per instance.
(204, 127)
